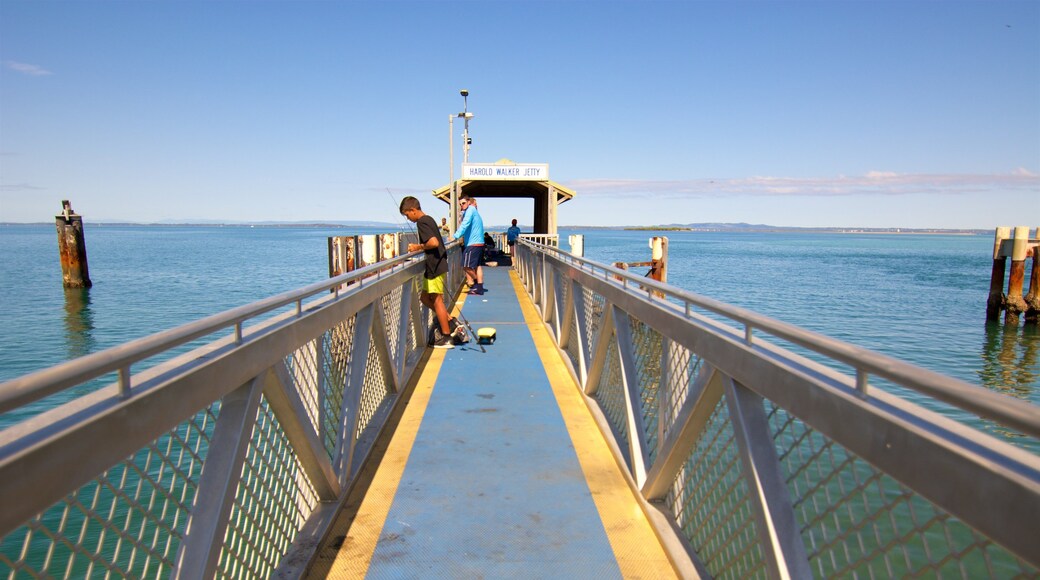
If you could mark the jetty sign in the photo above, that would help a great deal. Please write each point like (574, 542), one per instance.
(496, 172)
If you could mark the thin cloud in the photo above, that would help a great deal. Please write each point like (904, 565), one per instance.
(872, 183)
(20, 187)
(27, 69)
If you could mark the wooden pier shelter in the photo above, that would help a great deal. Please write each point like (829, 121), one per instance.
(508, 179)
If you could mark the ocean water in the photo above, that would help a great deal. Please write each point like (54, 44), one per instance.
(920, 298)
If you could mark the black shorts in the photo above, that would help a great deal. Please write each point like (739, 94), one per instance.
(471, 256)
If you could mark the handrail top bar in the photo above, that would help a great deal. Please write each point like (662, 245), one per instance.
(37, 385)
(965, 395)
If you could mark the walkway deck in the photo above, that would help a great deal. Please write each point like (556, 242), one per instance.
(496, 469)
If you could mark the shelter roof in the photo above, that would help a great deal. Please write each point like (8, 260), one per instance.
(507, 188)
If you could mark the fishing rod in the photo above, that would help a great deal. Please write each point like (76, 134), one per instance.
(408, 224)
(473, 335)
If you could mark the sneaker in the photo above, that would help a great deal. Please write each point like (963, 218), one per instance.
(444, 341)
(476, 292)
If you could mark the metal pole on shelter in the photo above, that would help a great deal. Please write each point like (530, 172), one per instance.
(453, 211)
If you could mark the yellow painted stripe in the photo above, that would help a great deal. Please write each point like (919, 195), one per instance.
(635, 544)
(354, 556)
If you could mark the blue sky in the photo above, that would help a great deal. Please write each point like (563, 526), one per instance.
(853, 114)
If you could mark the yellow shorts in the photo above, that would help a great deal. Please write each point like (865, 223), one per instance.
(434, 285)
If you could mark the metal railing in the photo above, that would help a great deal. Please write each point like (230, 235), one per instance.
(546, 239)
(764, 463)
(226, 461)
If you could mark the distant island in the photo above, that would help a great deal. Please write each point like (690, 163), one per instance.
(693, 227)
(765, 228)
(658, 228)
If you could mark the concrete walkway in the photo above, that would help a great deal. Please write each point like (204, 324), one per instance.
(497, 470)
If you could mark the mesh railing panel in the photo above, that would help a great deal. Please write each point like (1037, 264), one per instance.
(376, 387)
(573, 347)
(682, 366)
(273, 500)
(303, 368)
(646, 348)
(338, 341)
(562, 287)
(712, 507)
(854, 520)
(416, 343)
(594, 307)
(129, 521)
(392, 312)
(858, 522)
(610, 395)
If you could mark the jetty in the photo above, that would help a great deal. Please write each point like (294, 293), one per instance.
(618, 427)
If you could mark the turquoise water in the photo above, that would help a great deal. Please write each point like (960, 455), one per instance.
(920, 298)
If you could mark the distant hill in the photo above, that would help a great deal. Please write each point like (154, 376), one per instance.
(746, 227)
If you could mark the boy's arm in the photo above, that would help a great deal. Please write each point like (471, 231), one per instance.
(430, 244)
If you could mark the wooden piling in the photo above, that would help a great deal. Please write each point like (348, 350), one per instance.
(342, 252)
(659, 258)
(72, 248)
(1015, 304)
(341, 255)
(388, 246)
(620, 266)
(368, 250)
(658, 262)
(1033, 297)
(577, 242)
(995, 303)
(349, 253)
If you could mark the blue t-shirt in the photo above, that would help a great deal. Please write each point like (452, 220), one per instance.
(472, 228)
(512, 233)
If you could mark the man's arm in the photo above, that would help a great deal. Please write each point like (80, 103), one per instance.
(467, 221)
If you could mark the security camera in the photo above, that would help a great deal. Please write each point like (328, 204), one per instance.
(464, 93)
